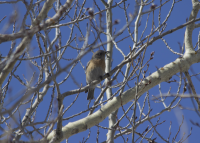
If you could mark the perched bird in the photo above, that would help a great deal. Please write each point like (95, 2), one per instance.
(95, 70)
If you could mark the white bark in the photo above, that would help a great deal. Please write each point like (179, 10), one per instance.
(162, 75)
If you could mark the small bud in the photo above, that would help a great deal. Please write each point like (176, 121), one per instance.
(116, 21)
(91, 12)
(82, 16)
(147, 129)
(152, 53)
(153, 6)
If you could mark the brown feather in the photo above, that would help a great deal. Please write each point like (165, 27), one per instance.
(96, 62)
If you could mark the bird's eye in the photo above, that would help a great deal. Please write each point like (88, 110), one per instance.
(100, 54)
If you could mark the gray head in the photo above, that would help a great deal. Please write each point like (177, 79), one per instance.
(99, 54)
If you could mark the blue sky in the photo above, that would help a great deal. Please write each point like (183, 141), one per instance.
(162, 56)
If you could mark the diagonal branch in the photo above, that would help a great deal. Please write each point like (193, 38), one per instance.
(162, 75)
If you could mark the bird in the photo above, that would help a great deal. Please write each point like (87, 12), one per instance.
(95, 70)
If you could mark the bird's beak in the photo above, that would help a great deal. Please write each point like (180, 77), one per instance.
(106, 52)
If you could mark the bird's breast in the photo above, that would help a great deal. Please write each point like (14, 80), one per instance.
(95, 69)
(97, 63)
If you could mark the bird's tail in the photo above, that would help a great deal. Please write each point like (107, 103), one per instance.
(90, 94)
